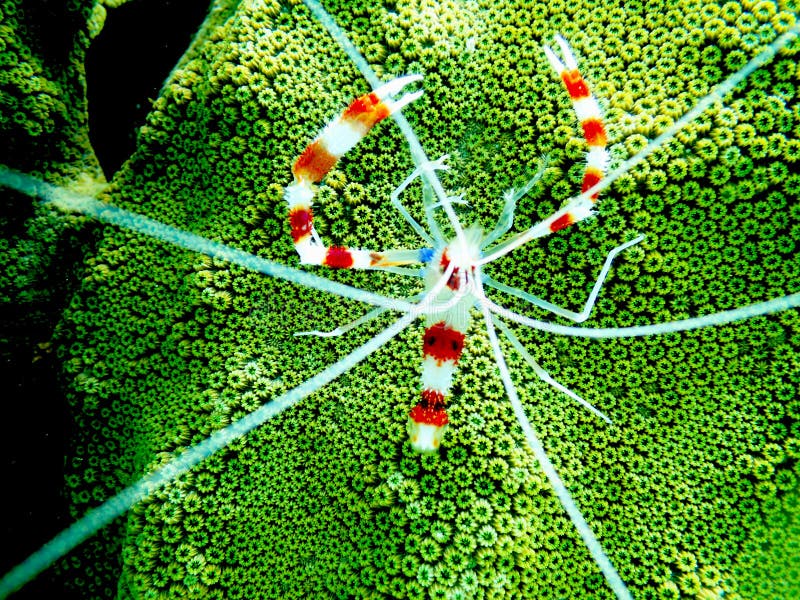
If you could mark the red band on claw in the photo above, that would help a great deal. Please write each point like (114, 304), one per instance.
(300, 220)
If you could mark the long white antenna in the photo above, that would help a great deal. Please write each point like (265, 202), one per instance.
(107, 213)
(592, 544)
(97, 518)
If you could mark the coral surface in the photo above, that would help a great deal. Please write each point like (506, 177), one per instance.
(693, 490)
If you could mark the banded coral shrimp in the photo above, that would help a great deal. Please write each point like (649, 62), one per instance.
(426, 465)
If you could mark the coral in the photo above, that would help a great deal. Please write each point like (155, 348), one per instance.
(43, 126)
(693, 490)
